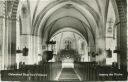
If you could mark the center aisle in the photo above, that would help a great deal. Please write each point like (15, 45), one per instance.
(68, 74)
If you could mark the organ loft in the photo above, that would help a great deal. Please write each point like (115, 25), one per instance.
(63, 40)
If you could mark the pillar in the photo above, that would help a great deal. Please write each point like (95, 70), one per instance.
(122, 33)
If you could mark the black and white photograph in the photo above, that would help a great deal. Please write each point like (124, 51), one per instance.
(63, 40)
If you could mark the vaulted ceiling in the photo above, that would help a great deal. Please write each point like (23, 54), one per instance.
(88, 17)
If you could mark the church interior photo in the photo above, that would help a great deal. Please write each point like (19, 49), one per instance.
(63, 40)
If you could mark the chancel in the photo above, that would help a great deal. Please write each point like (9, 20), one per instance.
(63, 40)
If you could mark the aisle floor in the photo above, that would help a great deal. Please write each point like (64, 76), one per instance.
(68, 74)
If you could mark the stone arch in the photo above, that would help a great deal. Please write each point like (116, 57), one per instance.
(37, 30)
(85, 29)
(41, 26)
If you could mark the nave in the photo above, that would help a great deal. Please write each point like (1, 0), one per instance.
(53, 39)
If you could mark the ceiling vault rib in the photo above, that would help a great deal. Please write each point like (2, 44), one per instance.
(59, 19)
(49, 32)
(106, 9)
(34, 14)
(48, 10)
(98, 6)
(45, 10)
(92, 32)
(85, 35)
(86, 19)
